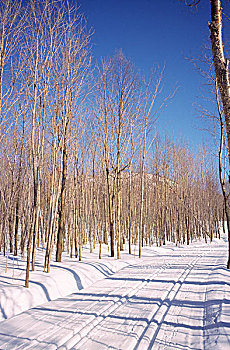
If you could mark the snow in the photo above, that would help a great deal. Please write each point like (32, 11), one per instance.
(171, 298)
(15, 298)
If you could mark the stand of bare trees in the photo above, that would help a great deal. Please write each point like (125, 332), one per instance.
(79, 161)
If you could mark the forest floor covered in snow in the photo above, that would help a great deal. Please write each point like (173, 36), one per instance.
(171, 298)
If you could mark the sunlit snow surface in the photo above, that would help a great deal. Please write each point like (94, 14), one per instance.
(171, 298)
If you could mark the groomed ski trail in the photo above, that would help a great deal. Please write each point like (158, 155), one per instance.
(176, 299)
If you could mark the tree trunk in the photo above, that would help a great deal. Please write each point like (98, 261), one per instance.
(221, 66)
(61, 223)
(110, 209)
(129, 210)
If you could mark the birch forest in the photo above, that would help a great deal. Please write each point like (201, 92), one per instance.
(81, 158)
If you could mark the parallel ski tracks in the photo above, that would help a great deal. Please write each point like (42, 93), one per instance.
(77, 337)
(149, 334)
(74, 335)
(74, 341)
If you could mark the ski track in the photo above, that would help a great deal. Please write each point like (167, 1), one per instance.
(176, 300)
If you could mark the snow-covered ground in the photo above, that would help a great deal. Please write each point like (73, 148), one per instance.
(172, 298)
(65, 278)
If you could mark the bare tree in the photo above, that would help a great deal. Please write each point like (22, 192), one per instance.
(11, 24)
(73, 70)
(221, 65)
(118, 108)
(148, 117)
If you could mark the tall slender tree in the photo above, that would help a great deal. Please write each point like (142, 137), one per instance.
(221, 65)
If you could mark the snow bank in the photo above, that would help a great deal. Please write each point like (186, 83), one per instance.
(65, 278)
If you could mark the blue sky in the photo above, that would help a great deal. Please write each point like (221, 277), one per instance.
(154, 32)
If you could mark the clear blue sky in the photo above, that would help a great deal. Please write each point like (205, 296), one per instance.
(162, 32)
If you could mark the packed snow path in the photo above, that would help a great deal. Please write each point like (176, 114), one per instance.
(176, 299)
